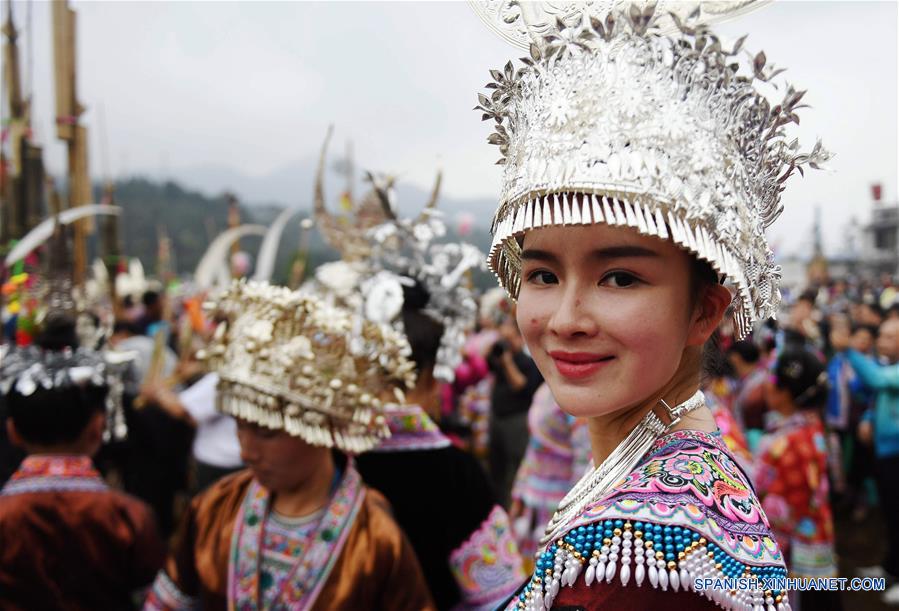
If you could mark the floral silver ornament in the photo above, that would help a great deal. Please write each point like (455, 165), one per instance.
(395, 252)
(406, 250)
(383, 297)
(522, 23)
(612, 121)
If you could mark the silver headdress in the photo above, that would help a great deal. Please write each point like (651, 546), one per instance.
(404, 254)
(289, 361)
(401, 251)
(612, 121)
(28, 369)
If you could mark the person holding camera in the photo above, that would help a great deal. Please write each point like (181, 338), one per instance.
(516, 379)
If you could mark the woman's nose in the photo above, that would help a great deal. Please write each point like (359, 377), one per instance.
(573, 315)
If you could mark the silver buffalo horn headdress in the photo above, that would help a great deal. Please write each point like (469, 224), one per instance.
(382, 251)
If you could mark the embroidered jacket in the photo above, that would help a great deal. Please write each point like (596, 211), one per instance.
(358, 558)
(685, 517)
(67, 541)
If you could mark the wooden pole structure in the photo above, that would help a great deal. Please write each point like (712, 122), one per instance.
(13, 221)
(112, 245)
(350, 169)
(68, 111)
(22, 167)
(163, 256)
(233, 221)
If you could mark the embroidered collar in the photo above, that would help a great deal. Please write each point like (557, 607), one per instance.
(314, 564)
(54, 473)
(487, 566)
(412, 429)
(685, 512)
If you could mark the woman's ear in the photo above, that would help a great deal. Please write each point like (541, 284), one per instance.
(710, 310)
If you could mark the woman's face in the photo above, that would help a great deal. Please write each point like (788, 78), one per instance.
(607, 314)
(279, 461)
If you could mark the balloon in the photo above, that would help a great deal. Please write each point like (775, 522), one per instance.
(240, 264)
(464, 223)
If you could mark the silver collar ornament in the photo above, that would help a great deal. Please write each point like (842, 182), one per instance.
(597, 482)
(611, 120)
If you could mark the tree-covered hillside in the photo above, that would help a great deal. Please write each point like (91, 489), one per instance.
(192, 220)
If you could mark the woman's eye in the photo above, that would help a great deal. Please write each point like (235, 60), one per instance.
(619, 280)
(542, 277)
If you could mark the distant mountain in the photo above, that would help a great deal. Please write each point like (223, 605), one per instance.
(293, 186)
(192, 219)
(289, 186)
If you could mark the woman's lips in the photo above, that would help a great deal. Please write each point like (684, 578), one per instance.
(577, 365)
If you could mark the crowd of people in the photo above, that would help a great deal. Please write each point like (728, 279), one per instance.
(806, 404)
(623, 424)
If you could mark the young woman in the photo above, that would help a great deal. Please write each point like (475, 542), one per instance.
(640, 169)
(791, 475)
(440, 495)
(470, 561)
(298, 529)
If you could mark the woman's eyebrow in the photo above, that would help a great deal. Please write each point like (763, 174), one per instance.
(533, 254)
(610, 252)
(621, 252)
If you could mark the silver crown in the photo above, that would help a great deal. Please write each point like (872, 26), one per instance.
(611, 121)
(289, 361)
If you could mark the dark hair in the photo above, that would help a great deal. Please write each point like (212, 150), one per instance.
(800, 373)
(125, 326)
(703, 275)
(714, 365)
(746, 350)
(150, 298)
(54, 416)
(422, 331)
(810, 296)
(855, 328)
(58, 332)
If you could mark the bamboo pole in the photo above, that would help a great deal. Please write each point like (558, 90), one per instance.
(68, 110)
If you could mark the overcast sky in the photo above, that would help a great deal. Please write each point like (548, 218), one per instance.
(254, 85)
